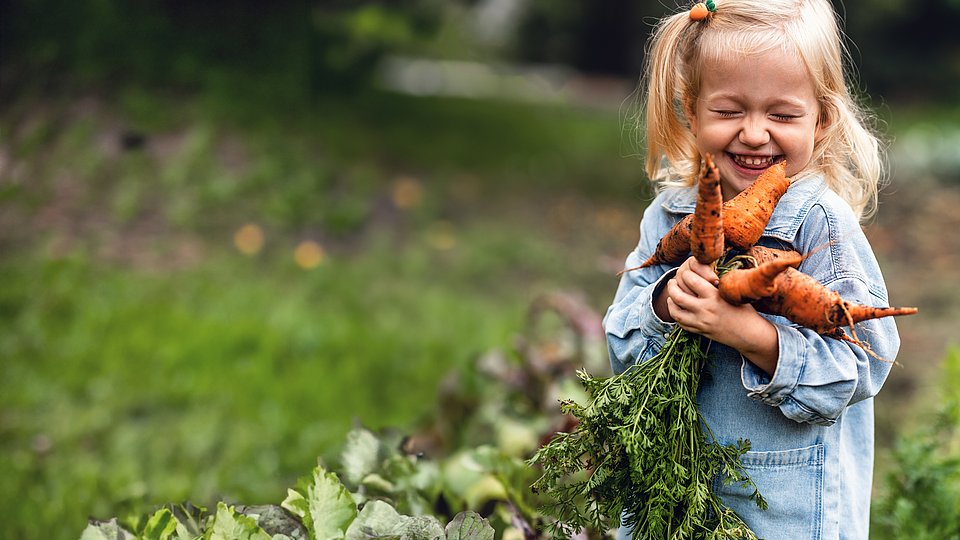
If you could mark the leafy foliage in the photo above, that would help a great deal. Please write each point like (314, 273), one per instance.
(290, 50)
(921, 497)
(639, 452)
(320, 507)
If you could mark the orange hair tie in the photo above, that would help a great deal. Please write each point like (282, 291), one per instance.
(702, 10)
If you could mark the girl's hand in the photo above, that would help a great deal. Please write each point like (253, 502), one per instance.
(694, 302)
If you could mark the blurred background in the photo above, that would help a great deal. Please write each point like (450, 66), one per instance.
(231, 230)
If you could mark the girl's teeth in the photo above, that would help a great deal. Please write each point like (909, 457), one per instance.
(753, 161)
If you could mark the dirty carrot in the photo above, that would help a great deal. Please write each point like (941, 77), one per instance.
(674, 245)
(773, 284)
(706, 227)
(751, 276)
(805, 301)
(762, 254)
(745, 217)
(743, 285)
(749, 212)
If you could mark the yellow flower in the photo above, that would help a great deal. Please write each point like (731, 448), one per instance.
(249, 239)
(309, 254)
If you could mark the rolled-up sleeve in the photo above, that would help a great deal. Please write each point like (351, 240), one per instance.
(817, 377)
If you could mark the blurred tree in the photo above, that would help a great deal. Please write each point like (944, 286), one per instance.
(906, 50)
(330, 46)
(903, 49)
(604, 37)
(350, 38)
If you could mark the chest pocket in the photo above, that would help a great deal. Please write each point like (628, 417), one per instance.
(791, 481)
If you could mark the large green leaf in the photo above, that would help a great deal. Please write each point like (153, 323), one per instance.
(469, 526)
(323, 503)
(228, 525)
(360, 455)
(421, 528)
(275, 520)
(380, 520)
(298, 505)
(162, 525)
(377, 520)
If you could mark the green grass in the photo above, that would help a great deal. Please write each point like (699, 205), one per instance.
(123, 388)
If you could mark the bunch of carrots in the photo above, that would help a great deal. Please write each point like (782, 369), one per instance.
(641, 453)
(766, 277)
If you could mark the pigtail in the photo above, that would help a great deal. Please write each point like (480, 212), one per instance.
(669, 143)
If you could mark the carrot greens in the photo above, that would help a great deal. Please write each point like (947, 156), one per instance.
(640, 457)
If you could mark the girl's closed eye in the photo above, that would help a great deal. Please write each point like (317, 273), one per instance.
(784, 117)
(726, 113)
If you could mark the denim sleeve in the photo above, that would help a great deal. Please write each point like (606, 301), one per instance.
(817, 377)
(634, 331)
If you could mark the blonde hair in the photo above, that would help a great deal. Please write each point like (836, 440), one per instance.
(849, 155)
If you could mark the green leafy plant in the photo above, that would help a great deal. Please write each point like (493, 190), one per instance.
(321, 506)
(921, 492)
(640, 456)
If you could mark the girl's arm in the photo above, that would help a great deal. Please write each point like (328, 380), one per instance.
(817, 377)
(634, 330)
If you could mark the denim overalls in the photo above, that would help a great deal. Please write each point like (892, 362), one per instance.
(810, 425)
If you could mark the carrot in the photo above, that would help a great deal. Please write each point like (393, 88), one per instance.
(776, 287)
(762, 254)
(805, 301)
(748, 213)
(674, 245)
(743, 285)
(706, 227)
(744, 218)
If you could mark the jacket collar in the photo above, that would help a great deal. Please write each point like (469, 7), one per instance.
(787, 217)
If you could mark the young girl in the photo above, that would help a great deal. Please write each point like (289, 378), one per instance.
(754, 83)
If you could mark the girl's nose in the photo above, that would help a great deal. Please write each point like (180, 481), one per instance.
(754, 133)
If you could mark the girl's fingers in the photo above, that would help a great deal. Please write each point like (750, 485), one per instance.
(705, 271)
(680, 298)
(681, 316)
(676, 289)
(678, 281)
(695, 284)
(675, 311)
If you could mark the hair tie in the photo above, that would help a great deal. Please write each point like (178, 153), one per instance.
(702, 10)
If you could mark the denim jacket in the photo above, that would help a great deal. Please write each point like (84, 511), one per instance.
(810, 424)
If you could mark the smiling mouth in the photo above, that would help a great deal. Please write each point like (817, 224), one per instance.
(754, 162)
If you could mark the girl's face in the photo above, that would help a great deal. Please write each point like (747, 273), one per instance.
(754, 111)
